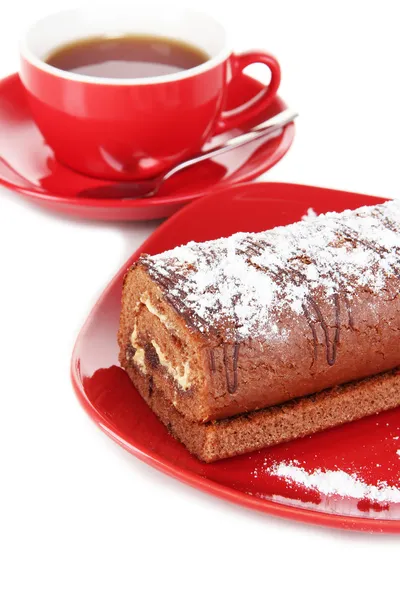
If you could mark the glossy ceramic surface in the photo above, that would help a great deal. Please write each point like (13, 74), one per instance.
(28, 165)
(128, 129)
(367, 448)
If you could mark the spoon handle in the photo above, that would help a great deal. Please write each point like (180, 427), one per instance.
(264, 129)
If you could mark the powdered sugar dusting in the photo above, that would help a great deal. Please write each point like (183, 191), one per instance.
(246, 280)
(338, 483)
(310, 214)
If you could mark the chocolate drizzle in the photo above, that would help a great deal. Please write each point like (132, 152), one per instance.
(353, 237)
(313, 331)
(231, 385)
(331, 347)
(255, 247)
(313, 271)
(389, 224)
(291, 272)
(211, 357)
(381, 251)
(167, 282)
(349, 313)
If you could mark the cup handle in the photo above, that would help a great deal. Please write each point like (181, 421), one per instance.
(238, 62)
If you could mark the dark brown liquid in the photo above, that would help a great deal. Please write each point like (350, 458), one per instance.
(127, 56)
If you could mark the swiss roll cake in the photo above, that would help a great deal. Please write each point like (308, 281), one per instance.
(255, 330)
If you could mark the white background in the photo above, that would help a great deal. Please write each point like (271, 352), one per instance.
(82, 519)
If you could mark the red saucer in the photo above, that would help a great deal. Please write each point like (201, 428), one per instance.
(28, 166)
(367, 449)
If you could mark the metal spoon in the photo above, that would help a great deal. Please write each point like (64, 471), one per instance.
(149, 187)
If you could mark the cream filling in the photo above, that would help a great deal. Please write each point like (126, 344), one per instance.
(138, 357)
(180, 374)
(144, 299)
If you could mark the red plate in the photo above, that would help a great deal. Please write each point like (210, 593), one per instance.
(366, 450)
(28, 165)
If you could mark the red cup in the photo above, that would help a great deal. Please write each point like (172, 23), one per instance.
(135, 128)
